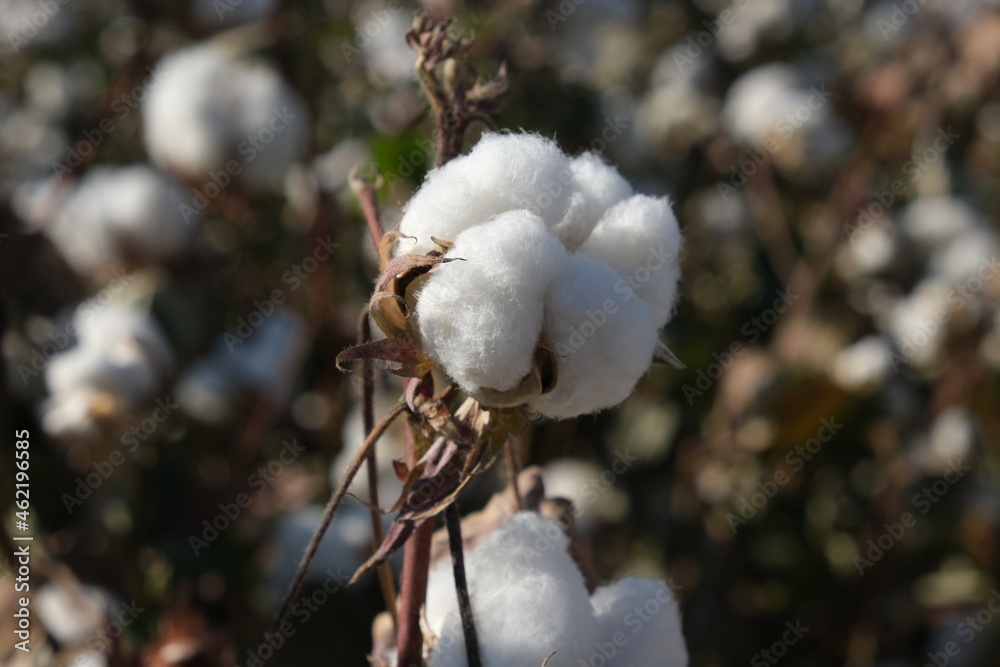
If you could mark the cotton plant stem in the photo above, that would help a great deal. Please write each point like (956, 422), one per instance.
(454, 521)
(413, 583)
(385, 581)
(513, 469)
(331, 508)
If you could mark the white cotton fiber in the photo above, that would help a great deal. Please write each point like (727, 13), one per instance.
(119, 213)
(121, 354)
(529, 599)
(209, 108)
(503, 172)
(603, 336)
(640, 238)
(597, 187)
(645, 612)
(120, 351)
(480, 317)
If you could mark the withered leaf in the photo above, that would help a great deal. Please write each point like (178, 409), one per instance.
(400, 355)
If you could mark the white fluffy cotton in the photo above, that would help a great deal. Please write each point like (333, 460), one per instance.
(503, 172)
(640, 238)
(597, 187)
(556, 250)
(529, 600)
(603, 336)
(120, 213)
(209, 108)
(120, 358)
(481, 316)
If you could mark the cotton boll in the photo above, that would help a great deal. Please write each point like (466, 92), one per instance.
(863, 364)
(121, 351)
(598, 186)
(972, 253)
(932, 222)
(119, 213)
(209, 108)
(480, 317)
(528, 598)
(640, 238)
(654, 637)
(603, 337)
(502, 172)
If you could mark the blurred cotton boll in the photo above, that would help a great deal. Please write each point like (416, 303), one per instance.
(120, 359)
(863, 364)
(211, 388)
(118, 215)
(773, 109)
(213, 116)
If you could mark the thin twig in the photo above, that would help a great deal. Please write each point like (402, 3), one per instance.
(454, 521)
(513, 469)
(365, 190)
(331, 508)
(385, 582)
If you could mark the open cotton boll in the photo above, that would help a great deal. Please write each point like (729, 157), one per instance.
(209, 109)
(528, 598)
(503, 172)
(640, 238)
(603, 337)
(480, 317)
(652, 636)
(598, 186)
(119, 213)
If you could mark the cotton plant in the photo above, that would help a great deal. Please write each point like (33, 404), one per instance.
(214, 117)
(521, 282)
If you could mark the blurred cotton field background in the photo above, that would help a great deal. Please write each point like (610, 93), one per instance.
(181, 260)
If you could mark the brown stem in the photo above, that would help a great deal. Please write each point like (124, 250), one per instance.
(385, 582)
(365, 192)
(454, 521)
(413, 582)
(513, 469)
(413, 593)
(331, 508)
